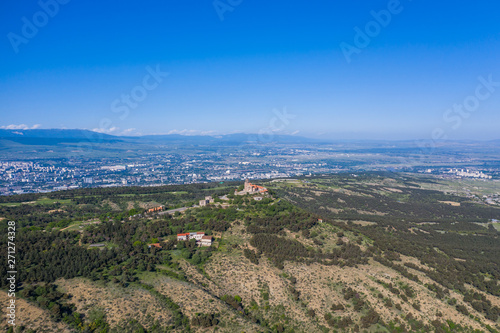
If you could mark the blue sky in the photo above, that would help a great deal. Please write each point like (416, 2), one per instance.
(234, 65)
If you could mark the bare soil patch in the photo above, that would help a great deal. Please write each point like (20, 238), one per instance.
(451, 203)
(55, 211)
(364, 223)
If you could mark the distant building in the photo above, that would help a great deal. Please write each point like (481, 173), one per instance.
(154, 245)
(207, 241)
(196, 235)
(250, 188)
(469, 173)
(114, 168)
(208, 200)
(191, 235)
(155, 209)
(183, 237)
(200, 237)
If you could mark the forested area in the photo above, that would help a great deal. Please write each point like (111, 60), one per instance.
(43, 257)
(58, 209)
(45, 253)
(47, 256)
(268, 230)
(315, 222)
(91, 195)
(447, 232)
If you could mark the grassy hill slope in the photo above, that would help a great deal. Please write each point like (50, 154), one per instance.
(368, 252)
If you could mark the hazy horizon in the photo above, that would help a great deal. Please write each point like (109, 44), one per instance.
(267, 136)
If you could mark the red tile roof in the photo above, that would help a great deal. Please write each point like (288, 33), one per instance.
(261, 188)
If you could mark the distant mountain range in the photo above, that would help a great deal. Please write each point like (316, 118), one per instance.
(55, 136)
(71, 136)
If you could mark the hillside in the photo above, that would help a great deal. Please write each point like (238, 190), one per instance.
(374, 252)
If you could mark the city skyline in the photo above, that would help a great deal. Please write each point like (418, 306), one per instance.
(380, 70)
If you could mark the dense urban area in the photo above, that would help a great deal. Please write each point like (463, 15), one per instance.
(38, 161)
(18, 176)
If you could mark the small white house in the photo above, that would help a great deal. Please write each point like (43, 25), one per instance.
(207, 241)
(196, 235)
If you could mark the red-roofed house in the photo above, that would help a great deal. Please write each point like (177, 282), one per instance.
(183, 237)
(250, 188)
(155, 209)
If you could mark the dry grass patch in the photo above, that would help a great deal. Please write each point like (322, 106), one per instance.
(392, 189)
(111, 204)
(117, 302)
(199, 299)
(31, 317)
(366, 212)
(237, 276)
(54, 211)
(364, 223)
(320, 286)
(451, 203)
